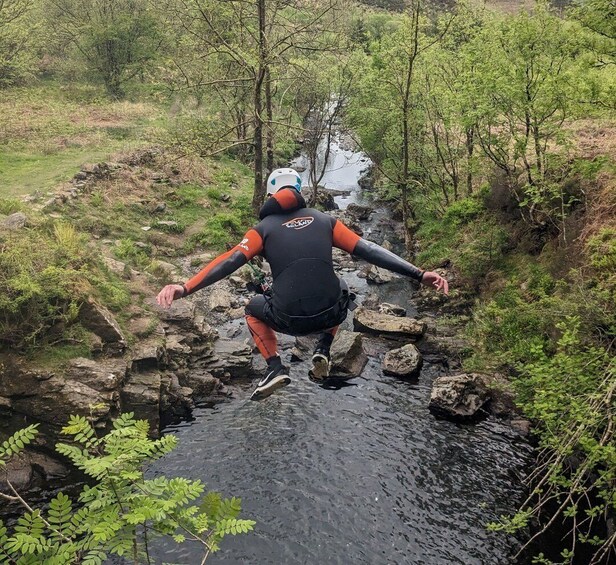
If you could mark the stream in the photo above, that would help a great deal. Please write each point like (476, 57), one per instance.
(358, 473)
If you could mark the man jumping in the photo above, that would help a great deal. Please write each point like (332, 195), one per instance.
(306, 296)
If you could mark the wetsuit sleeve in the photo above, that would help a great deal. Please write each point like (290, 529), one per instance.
(348, 240)
(227, 263)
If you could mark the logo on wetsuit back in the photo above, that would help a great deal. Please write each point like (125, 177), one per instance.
(299, 223)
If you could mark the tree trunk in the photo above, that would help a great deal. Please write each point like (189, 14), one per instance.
(470, 146)
(259, 187)
(269, 137)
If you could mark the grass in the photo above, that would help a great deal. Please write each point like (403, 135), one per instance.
(49, 131)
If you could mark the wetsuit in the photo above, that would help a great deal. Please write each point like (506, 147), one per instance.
(306, 296)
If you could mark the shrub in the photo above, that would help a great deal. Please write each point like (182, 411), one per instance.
(570, 394)
(119, 512)
(45, 273)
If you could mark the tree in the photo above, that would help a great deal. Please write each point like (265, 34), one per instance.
(524, 86)
(386, 112)
(115, 38)
(17, 33)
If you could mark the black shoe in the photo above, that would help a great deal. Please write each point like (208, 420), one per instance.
(320, 364)
(274, 379)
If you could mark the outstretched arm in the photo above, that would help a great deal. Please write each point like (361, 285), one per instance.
(219, 268)
(349, 241)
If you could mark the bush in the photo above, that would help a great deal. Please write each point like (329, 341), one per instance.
(45, 273)
(570, 394)
(119, 512)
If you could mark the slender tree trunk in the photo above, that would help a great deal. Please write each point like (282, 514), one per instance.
(269, 137)
(470, 146)
(259, 187)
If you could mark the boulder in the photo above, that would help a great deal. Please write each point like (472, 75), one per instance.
(392, 309)
(362, 213)
(100, 321)
(14, 221)
(220, 300)
(459, 396)
(387, 326)
(403, 362)
(325, 201)
(376, 275)
(347, 355)
(55, 399)
(227, 358)
(148, 354)
(104, 375)
(203, 384)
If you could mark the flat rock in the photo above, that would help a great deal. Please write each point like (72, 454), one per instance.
(403, 362)
(347, 354)
(102, 375)
(459, 396)
(385, 325)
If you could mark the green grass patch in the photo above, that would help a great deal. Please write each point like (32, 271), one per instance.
(49, 131)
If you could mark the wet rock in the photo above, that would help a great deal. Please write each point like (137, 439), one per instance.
(15, 221)
(347, 355)
(176, 400)
(361, 213)
(103, 375)
(228, 358)
(459, 396)
(100, 321)
(302, 348)
(387, 326)
(148, 354)
(403, 362)
(325, 201)
(376, 275)
(181, 314)
(176, 346)
(203, 384)
(371, 301)
(19, 472)
(522, 426)
(392, 309)
(502, 397)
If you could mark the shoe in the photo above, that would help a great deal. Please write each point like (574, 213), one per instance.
(320, 364)
(273, 380)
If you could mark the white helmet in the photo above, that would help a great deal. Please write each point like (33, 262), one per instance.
(281, 178)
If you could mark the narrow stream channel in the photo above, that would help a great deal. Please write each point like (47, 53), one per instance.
(361, 474)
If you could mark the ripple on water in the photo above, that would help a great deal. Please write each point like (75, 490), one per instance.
(363, 474)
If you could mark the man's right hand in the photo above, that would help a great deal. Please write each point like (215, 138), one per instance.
(169, 293)
(434, 280)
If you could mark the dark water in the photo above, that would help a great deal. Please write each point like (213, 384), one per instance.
(363, 474)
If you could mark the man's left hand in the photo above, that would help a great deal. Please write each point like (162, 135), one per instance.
(434, 280)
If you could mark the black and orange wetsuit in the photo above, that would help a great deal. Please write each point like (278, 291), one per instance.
(297, 242)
